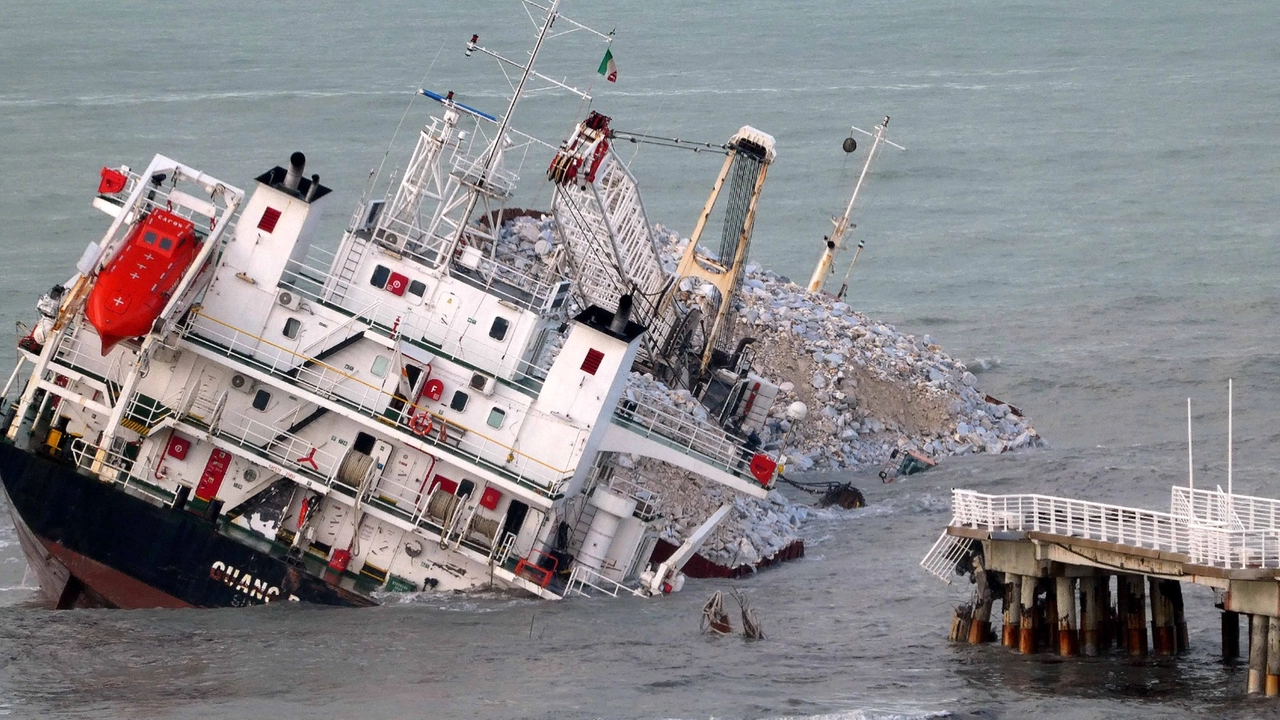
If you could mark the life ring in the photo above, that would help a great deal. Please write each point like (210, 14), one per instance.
(420, 424)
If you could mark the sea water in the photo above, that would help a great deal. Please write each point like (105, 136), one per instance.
(1085, 213)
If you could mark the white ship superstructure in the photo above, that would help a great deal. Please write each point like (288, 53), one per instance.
(414, 410)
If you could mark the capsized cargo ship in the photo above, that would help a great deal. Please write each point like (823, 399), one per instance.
(217, 410)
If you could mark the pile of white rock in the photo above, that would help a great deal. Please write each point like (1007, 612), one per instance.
(870, 390)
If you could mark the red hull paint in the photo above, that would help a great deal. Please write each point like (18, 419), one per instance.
(700, 567)
(55, 566)
(117, 588)
(131, 292)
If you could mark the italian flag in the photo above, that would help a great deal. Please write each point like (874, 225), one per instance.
(608, 68)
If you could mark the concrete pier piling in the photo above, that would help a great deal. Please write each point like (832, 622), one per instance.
(1028, 610)
(1136, 642)
(1065, 590)
(983, 598)
(1120, 614)
(1258, 631)
(1106, 620)
(1012, 610)
(1173, 592)
(1273, 657)
(1230, 635)
(1089, 618)
(1163, 638)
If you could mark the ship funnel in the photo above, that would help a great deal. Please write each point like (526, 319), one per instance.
(297, 162)
(622, 316)
(315, 185)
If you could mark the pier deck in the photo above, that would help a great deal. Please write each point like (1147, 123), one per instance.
(1051, 555)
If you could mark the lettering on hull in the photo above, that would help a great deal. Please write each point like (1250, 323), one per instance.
(251, 587)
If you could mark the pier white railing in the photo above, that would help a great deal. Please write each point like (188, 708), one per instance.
(1217, 508)
(1071, 518)
(1212, 528)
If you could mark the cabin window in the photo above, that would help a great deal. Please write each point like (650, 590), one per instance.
(165, 243)
(380, 365)
(269, 218)
(260, 400)
(496, 417)
(459, 401)
(417, 289)
(380, 275)
(592, 362)
(149, 238)
(291, 327)
(498, 331)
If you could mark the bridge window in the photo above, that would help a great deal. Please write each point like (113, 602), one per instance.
(498, 331)
(291, 328)
(459, 401)
(496, 417)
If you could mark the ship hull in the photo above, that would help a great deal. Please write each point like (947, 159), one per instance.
(93, 545)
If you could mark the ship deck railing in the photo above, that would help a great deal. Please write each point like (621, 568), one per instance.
(269, 443)
(120, 469)
(644, 414)
(1209, 528)
(354, 394)
(583, 577)
(396, 320)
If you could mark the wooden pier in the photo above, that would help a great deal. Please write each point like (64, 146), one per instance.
(1076, 577)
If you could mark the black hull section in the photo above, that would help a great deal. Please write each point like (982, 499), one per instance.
(126, 552)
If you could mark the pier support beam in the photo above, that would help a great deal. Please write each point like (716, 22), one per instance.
(1068, 644)
(1089, 617)
(1137, 611)
(1173, 592)
(1012, 610)
(1273, 657)
(1027, 628)
(1106, 621)
(1230, 635)
(1258, 631)
(983, 598)
(1163, 638)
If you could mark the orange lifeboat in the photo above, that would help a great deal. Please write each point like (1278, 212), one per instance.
(133, 289)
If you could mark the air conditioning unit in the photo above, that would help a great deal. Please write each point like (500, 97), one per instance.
(243, 383)
(483, 383)
(289, 299)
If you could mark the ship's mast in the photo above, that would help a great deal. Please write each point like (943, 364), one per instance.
(493, 154)
(835, 242)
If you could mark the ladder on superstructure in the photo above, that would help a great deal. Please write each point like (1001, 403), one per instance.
(602, 224)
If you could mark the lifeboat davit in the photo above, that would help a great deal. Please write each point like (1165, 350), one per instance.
(134, 287)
